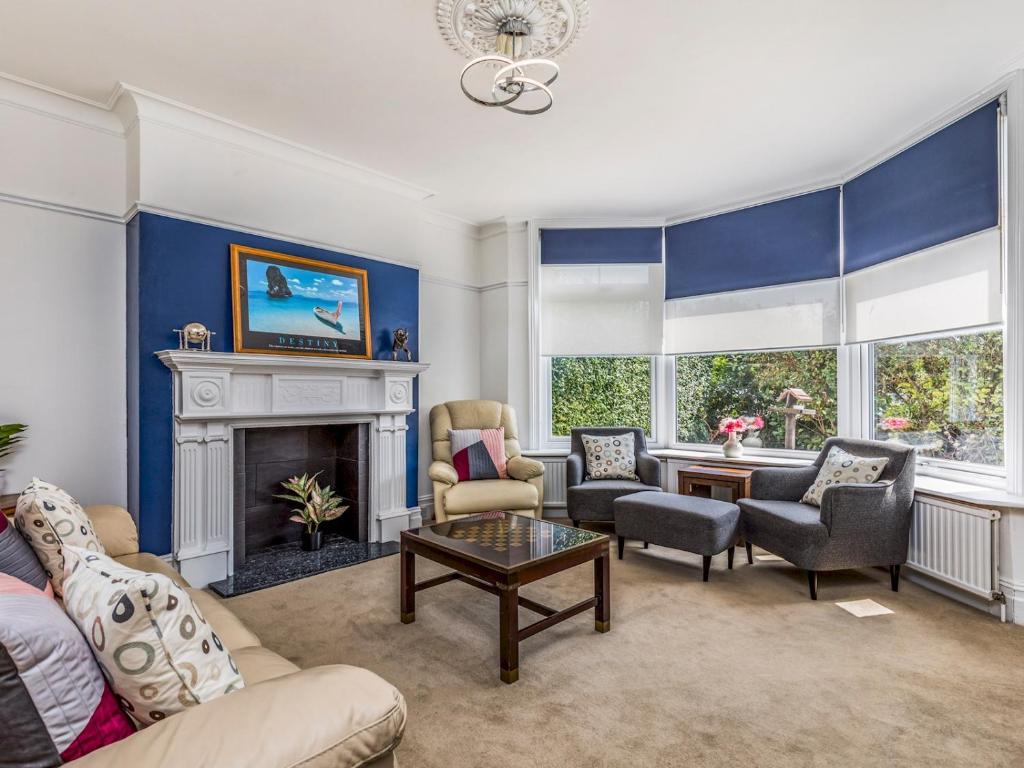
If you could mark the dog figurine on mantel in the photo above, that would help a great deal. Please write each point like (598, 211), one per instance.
(401, 344)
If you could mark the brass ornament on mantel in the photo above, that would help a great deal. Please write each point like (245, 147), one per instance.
(194, 336)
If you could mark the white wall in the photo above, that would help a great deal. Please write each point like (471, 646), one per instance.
(62, 350)
(504, 320)
(62, 257)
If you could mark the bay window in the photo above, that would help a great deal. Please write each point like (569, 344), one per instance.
(943, 395)
(600, 392)
(711, 387)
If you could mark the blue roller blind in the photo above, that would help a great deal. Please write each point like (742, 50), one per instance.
(786, 241)
(940, 189)
(622, 245)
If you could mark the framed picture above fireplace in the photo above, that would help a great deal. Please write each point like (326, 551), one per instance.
(289, 305)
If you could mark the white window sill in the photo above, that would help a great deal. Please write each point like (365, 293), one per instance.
(951, 490)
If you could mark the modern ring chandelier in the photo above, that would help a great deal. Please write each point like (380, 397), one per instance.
(511, 44)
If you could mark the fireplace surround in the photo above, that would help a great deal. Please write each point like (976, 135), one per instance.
(216, 395)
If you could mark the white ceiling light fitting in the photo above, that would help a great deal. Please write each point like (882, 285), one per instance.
(511, 44)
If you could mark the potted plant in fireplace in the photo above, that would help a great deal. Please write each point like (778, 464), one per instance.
(318, 504)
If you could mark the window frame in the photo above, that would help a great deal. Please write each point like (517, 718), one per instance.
(560, 442)
(943, 469)
(715, 448)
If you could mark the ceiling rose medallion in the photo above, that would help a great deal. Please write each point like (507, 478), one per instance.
(511, 44)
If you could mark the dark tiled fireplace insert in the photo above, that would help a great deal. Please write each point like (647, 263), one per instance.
(266, 542)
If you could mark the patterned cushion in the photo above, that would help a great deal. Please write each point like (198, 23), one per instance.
(18, 559)
(843, 467)
(56, 705)
(479, 454)
(610, 457)
(157, 649)
(49, 518)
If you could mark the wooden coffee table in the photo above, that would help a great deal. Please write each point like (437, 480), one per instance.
(499, 552)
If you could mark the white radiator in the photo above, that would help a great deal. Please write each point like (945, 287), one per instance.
(956, 544)
(554, 482)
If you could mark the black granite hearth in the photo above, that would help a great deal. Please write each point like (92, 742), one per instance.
(287, 562)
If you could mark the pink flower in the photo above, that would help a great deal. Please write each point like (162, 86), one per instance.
(894, 423)
(754, 422)
(731, 424)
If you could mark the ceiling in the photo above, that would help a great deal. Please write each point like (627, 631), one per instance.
(663, 106)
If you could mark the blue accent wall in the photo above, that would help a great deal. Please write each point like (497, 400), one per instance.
(609, 245)
(180, 271)
(944, 187)
(785, 241)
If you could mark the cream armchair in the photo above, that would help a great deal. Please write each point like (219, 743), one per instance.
(522, 493)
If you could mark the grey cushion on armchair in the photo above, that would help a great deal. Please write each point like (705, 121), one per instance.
(591, 500)
(858, 525)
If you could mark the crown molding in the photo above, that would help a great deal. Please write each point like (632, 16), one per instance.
(937, 123)
(750, 202)
(451, 222)
(160, 110)
(923, 131)
(49, 102)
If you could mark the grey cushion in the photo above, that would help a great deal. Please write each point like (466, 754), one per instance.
(592, 501)
(790, 529)
(690, 523)
(17, 558)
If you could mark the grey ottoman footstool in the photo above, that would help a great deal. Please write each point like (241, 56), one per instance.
(693, 524)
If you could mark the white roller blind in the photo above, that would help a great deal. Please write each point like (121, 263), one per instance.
(779, 316)
(951, 286)
(606, 309)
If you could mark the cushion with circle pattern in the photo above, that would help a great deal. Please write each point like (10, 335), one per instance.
(610, 457)
(843, 467)
(49, 518)
(159, 652)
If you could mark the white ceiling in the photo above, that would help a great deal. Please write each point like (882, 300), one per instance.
(663, 106)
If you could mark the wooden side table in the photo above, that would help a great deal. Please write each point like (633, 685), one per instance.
(698, 480)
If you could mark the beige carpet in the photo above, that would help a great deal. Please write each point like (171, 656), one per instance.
(744, 670)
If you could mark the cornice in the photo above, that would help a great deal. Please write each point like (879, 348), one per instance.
(160, 110)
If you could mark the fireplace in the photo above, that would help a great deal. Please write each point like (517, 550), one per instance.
(264, 457)
(221, 400)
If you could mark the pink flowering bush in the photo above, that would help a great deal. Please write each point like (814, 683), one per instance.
(894, 423)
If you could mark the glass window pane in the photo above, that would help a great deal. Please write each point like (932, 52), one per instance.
(710, 388)
(943, 395)
(600, 392)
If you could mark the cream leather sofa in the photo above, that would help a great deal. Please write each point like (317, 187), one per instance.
(522, 493)
(324, 717)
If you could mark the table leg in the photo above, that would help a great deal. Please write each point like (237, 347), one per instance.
(408, 602)
(603, 592)
(508, 619)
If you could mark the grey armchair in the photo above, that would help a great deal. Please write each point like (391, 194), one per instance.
(591, 500)
(857, 525)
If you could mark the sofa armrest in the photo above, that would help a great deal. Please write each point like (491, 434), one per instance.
(856, 508)
(782, 483)
(523, 468)
(575, 465)
(648, 468)
(443, 472)
(335, 715)
(115, 528)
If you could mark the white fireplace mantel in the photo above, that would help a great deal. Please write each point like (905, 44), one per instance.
(216, 392)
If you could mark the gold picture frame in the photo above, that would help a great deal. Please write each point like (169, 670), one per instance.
(282, 305)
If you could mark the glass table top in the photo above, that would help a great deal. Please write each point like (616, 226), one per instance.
(504, 539)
